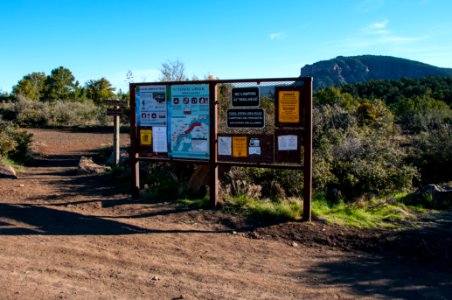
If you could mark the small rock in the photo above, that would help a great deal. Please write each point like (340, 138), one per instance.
(156, 278)
(254, 235)
(87, 166)
(234, 232)
(7, 172)
(294, 244)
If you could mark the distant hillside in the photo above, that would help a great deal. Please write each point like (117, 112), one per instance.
(353, 69)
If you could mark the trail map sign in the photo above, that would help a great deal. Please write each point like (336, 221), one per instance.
(189, 121)
(265, 123)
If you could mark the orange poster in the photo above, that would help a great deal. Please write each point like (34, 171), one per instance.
(289, 107)
(239, 146)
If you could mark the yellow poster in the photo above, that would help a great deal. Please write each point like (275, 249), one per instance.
(239, 146)
(289, 107)
(146, 137)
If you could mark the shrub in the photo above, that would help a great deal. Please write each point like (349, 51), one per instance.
(14, 143)
(432, 154)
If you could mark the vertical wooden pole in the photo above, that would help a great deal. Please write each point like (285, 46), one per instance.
(307, 103)
(213, 166)
(116, 142)
(134, 164)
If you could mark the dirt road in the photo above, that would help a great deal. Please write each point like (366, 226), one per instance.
(64, 236)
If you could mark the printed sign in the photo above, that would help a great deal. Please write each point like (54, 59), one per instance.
(289, 107)
(246, 118)
(160, 138)
(245, 96)
(189, 121)
(145, 137)
(239, 146)
(287, 142)
(151, 105)
(254, 146)
(225, 145)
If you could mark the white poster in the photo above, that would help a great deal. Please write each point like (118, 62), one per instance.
(160, 140)
(288, 142)
(224, 145)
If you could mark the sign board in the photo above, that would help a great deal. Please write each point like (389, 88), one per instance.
(245, 96)
(288, 107)
(115, 103)
(193, 122)
(114, 112)
(151, 107)
(189, 121)
(246, 118)
(145, 137)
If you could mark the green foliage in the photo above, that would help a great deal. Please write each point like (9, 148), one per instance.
(60, 85)
(99, 90)
(14, 143)
(432, 153)
(166, 181)
(375, 213)
(288, 209)
(31, 86)
(422, 113)
(30, 113)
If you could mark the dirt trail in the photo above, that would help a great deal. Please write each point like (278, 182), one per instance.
(64, 236)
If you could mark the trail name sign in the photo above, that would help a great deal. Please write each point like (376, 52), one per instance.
(263, 123)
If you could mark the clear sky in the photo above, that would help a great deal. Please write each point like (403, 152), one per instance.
(229, 39)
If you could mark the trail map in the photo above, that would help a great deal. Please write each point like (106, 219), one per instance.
(189, 121)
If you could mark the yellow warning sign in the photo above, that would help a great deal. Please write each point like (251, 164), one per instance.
(289, 107)
(239, 146)
(146, 137)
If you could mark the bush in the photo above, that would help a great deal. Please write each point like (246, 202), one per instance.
(432, 154)
(14, 143)
(33, 113)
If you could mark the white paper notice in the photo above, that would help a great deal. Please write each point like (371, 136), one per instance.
(160, 140)
(254, 150)
(287, 142)
(225, 145)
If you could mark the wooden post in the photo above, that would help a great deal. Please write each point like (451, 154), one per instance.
(134, 164)
(116, 142)
(307, 99)
(213, 166)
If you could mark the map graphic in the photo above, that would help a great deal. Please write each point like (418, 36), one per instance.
(189, 121)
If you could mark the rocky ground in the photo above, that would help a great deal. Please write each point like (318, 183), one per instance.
(69, 236)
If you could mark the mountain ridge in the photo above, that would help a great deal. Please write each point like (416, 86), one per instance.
(354, 69)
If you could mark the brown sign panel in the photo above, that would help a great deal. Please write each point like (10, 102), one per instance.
(288, 107)
(114, 112)
(115, 103)
(288, 143)
(250, 148)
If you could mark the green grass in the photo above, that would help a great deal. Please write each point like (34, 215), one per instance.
(195, 203)
(288, 209)
(375, 213)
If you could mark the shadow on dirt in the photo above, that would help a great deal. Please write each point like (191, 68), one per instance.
(38, 220)
(376, 277)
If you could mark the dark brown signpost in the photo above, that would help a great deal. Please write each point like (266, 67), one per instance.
(264, 123)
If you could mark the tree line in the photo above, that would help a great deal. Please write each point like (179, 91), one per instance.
(61, 84)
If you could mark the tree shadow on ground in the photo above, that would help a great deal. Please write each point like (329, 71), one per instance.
(377, 277)
(28, 219)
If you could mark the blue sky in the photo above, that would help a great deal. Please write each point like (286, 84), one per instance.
(228, 39)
